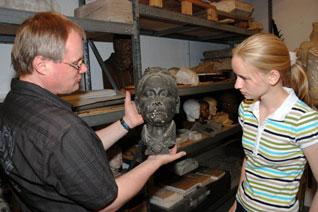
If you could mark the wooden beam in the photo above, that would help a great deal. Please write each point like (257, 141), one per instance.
(155, 3)
(186, 7)
(199, 3)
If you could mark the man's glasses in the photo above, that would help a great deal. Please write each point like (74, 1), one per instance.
(74, 65)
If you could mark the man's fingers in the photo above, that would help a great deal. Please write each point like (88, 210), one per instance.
(173, 150)
(128, 97)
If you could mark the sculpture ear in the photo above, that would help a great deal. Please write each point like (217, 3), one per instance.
(178, 105)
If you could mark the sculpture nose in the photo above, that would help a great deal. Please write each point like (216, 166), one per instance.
(156, 103)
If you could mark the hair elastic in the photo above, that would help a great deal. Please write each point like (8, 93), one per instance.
(293, 58)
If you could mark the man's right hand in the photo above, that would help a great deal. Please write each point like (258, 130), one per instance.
(167, 158)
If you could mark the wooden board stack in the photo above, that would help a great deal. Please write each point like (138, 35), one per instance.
(164, 197)
(187, 7)
(212, 173)
(107, 10)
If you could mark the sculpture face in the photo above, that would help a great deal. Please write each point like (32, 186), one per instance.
(157, 102)
(212, 105)
(204, 110)
(123, 50)
(192, 109)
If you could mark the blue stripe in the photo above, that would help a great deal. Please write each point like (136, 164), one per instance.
(249, 115)
(272, 171)
(276, 153)
(302, 104)
(281, 125)
(308, 126)
(248, 142)
(267, 195)
(241, 111)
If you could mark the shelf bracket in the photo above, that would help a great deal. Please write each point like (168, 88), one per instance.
(102, 65)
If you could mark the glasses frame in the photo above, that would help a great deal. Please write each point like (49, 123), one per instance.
(75, 66)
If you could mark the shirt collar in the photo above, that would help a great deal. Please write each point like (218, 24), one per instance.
(30, 89)
(283, 110)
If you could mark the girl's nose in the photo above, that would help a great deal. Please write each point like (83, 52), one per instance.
(237, 84)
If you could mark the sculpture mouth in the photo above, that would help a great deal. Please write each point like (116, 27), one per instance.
(157, 116)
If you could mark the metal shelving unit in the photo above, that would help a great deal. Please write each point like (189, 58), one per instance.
(12, 18)
(165, 23)
(217, 86)
(147, 21)
(106, 117)
(102, 117)
(213, 141)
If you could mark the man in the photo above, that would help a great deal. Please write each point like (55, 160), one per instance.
(53, 160)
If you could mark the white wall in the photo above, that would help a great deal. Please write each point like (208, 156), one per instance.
(167, 53)
(260, 13)
(6, 71)
(294, 18)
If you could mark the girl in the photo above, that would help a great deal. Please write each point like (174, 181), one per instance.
(280, 129)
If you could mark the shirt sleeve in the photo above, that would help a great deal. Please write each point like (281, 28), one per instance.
(307, 129)
(241, 114)
(81, 170)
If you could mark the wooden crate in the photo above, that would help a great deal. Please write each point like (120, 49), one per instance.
(107, 10)
(187, 7)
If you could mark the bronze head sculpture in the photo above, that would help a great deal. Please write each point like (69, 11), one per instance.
(157, 101)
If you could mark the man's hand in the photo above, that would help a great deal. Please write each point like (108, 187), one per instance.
(233, 208)
(131, 117)
(167, 158)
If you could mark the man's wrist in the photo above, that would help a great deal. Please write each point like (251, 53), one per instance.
(124, 124)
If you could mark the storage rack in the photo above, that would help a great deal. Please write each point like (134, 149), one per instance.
(149, 21)
(166, 23)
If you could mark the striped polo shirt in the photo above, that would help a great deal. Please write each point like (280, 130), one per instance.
(275, 161)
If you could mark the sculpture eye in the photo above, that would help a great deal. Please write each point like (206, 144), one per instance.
(164, 93)
(149, 94)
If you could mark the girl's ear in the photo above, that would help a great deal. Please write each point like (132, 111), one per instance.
(39, 65)
(273, 77)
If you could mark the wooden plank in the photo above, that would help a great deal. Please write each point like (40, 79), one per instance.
(96, 111)
(186, 7)
(165, 15)
(163, 197)
(7, 29)
(235, 7)
(155, 3)
(107, 10)
(200, 3)
(212, 14)
(101, 116)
